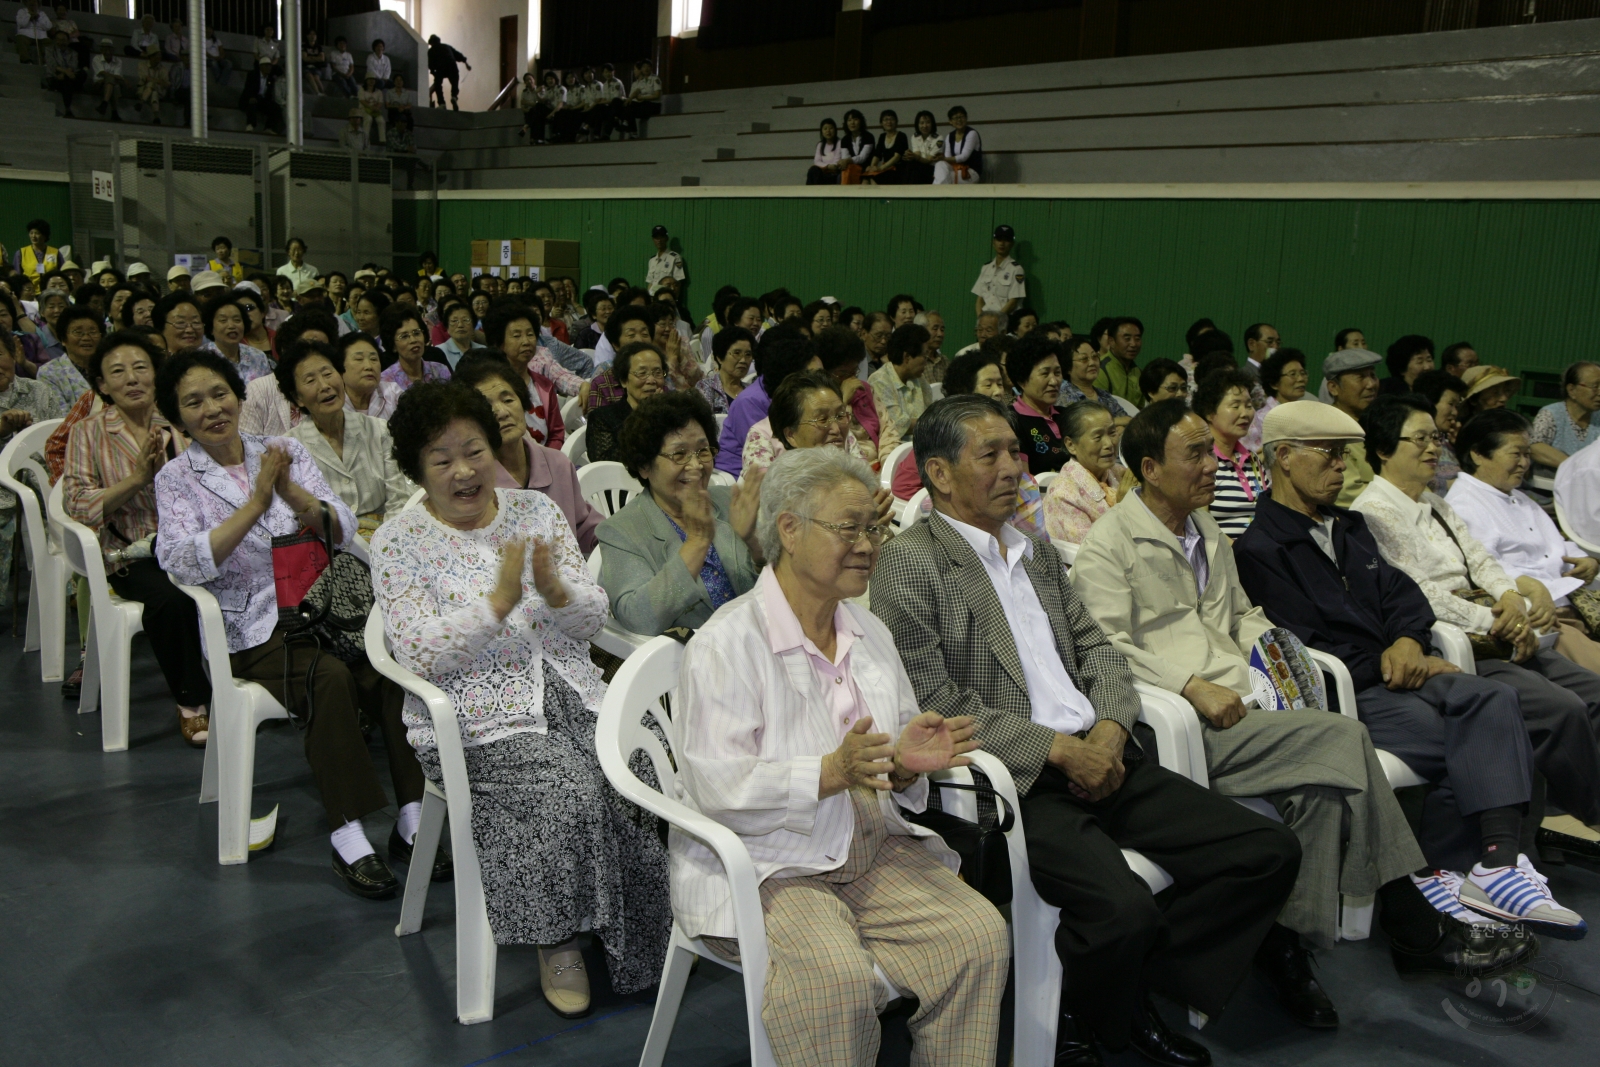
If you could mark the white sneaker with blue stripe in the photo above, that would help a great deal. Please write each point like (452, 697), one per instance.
(1519, 894)
(1442, 889)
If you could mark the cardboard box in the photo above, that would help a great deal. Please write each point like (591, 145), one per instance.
(537, 252)
(480, 254)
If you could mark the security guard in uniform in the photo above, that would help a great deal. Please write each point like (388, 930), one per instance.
(1000, 286)
(664, 264)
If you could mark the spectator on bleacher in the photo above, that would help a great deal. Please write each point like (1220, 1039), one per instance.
(373, 110)
(1408, 357)
(961, 158)
(353, 451)
(566, 123)
(1082, 370)
(531, 103)
(1562, 428)
(62, 72)
(641, 368)
(314, 61)
(856, 146)
(900, 396)
(924, 150)
(258, 99)
(1283, 379)
(1458, 358)
(596, 114)
(405, 340)
(105, 80)
(153, 83)
(365, 389)
(558, 848)
(1223, 401)
(379, 65)
(216, 532)
(80, 331)
(610, 95)
(225, 325)
(144, 40)
(397, 109)
(33, 31)
(221, 67)
(888, 152)
(1546, 567)
(64, 21)
(112, 459)
(343, 65)
(267, 46)
(644, 96)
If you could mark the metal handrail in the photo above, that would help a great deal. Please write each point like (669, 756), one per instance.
(501, 99)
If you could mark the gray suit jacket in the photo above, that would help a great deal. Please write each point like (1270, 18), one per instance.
(650, 588)
(932, 592)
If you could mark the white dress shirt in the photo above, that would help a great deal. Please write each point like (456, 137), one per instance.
(1056, 700)
(754, 716)
(1517, 532)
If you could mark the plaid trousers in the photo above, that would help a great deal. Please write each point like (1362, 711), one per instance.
(893, 904)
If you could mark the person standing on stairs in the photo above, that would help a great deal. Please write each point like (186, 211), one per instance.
(442, 60)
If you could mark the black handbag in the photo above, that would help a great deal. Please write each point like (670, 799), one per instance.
(985, 857)
(336, 606)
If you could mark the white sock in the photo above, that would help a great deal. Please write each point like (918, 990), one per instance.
(350, 841)
(410, 819)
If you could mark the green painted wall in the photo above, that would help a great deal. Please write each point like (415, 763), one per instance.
(21, 201)
(1520, 279)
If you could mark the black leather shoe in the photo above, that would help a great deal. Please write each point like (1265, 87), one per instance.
(367, 877)
(1581, 847)
(444, 868)
(1288, 967)
(1467, 950)
(1075, 1044)
(1151, 1038)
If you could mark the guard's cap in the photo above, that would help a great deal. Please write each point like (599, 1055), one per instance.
(659, 231)
(1004, 233)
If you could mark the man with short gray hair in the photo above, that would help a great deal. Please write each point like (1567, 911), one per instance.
(988, 626)
(989, 324)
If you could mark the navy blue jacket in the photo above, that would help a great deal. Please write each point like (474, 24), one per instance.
(1353, 611)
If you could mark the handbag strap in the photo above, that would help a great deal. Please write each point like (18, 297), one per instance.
(1008, 818)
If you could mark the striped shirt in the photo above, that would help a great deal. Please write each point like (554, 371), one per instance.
(100, 453)
(1241, 481)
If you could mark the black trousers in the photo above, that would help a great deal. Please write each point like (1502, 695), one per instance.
(262, 112)
(822, 176)
(171, 624)
(334, 746)
(67, 87)
(1561, 709)
(437, 90)
(1232, 871)
(639, 109)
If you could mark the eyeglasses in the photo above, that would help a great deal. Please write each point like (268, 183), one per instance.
(841, 419)
(682, 456)
(642, 375)
(1423, 440)
(1334, 455)
(851, 532)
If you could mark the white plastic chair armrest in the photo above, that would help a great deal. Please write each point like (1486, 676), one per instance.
(1180, 748)
(1567, 532)
(359, 549)
(1453, 645)
(213, 635)
(1067, 550)
(1343, 687)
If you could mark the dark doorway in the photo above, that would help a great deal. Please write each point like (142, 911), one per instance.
(508, 51)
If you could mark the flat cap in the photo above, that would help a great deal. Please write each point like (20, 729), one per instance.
(1348, 359)
(1309, 420)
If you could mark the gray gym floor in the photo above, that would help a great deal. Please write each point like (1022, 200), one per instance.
(123, 942)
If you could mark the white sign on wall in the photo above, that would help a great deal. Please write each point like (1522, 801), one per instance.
(102, 186)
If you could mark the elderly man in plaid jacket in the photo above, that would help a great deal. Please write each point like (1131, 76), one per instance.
(987, 625)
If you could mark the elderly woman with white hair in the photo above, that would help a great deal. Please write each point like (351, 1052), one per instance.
(798, 730)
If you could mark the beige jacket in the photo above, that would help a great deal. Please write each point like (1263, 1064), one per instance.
(1133, 577)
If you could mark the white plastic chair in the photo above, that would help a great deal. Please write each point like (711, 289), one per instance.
(576, 446)
(1033, 922)
(723, 478)
(911, 510)
(613, 636)
(1453, 646)
(721, 417)
(1045, 479)
(237, 709)
(47, 590)
(1128, 406)
(572, 413)
(415, 499)
(112, 623)
(636, 691)
(1067, 550)
(475, 947)
(1567, 532)
(936, 391)
(892, 464)
(604, 484)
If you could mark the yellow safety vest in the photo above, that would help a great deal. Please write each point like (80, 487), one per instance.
(32, 266)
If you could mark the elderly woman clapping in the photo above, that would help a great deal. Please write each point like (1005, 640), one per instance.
(220, 503)
(798, 730)
(485, 594)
